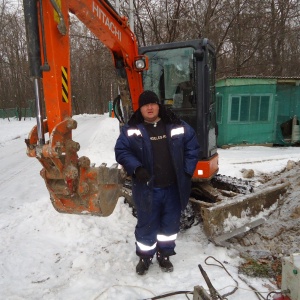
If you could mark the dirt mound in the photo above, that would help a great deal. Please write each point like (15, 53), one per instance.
(280, 234)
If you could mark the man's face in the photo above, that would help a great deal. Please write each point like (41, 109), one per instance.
(150, 112)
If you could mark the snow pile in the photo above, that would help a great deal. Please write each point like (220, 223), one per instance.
(280, 234)
(20, 129)
(233, 222)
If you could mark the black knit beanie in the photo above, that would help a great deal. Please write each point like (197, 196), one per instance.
(147, 97)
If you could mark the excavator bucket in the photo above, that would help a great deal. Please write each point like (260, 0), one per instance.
(75, 186)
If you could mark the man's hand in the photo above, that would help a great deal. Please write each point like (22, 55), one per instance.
(142, 175)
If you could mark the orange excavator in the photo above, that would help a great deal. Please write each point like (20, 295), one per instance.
(182, 74)
(74, 185)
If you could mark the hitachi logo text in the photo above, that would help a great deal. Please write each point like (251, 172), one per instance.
(105, 20)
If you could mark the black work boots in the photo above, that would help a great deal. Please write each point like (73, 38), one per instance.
(164, 262)
(143, 265)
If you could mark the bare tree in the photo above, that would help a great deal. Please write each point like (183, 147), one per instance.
(252, 37)
(283, 21)
(160, 21)
(14, 80)
(92, 71)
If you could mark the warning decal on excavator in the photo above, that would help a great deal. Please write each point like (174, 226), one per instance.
(56, 16)
(64, 79)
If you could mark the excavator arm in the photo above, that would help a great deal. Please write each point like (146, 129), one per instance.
(74, 185)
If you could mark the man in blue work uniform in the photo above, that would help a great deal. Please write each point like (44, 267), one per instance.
(160, 152)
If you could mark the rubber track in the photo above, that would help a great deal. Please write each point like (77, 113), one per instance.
(233, 184)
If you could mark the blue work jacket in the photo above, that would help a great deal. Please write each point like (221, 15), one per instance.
(133, 149)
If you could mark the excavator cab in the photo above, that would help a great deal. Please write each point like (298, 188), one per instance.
(182, 74)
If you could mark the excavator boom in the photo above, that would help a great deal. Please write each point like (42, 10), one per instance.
(75, 186)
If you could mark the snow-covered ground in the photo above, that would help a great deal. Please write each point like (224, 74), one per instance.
(47, 255)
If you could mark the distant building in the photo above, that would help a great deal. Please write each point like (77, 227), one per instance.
(258, 110)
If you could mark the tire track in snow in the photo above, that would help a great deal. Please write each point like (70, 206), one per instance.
(10, 175)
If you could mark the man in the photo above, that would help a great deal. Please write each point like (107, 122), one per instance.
(160, 152)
